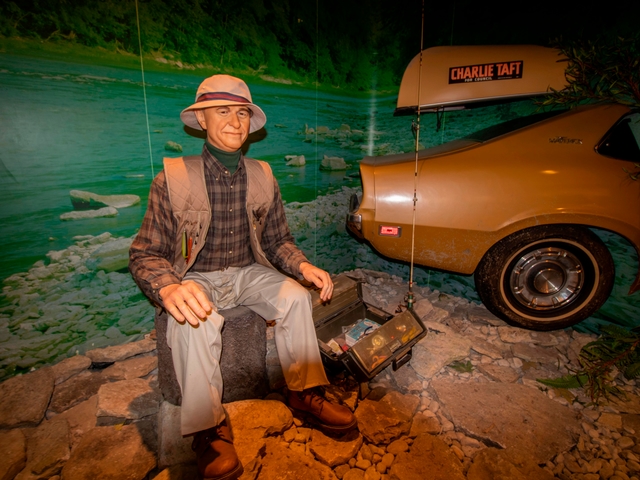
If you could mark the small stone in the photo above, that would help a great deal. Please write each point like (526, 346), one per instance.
(306, 434)
(354, 474)
(289, 435)
(340, 470)
(610, 420)
(606, 471)
(447, 426)
(572, 465)
(397, 447)
(371, 474)
(625, 442)
(457, 451)
(387, 459)
(594, 465)
(363, 464)
(366, 453)
(300, 448)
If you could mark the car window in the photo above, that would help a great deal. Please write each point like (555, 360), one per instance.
(622, 141)
(503, 128)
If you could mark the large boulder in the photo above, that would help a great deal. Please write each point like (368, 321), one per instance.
(109, 453)
(244, 371)
(333, 163)
(428, 454)
(385, 420)
(82, 200)
(509, 416)
(439, 348)
(13, 446)
(282, 463)
(100, 212)
(252, 421)
(295, 160)
(111, 256)
(24, 399)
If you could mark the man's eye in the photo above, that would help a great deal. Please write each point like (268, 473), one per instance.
(223, 111)
(243, 114)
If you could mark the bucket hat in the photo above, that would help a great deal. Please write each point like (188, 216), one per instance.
(221, 91)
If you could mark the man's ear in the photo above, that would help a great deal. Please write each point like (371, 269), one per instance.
(200, 117)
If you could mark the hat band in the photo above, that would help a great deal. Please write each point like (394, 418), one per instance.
(205, 97)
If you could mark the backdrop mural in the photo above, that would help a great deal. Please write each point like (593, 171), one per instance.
(86, 120)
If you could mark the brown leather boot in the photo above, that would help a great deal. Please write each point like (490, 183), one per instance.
(216, 456)
(330, 417)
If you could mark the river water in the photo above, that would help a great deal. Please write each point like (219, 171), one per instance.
(66, 126)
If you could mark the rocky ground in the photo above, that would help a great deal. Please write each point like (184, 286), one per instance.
(467, 405)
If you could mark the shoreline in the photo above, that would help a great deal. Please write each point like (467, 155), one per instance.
(81, 54)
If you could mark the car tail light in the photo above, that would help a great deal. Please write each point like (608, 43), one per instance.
(389, 231)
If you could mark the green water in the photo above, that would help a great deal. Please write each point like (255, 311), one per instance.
(65, 126)
(83, 127)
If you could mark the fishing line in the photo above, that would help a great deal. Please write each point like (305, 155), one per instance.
(315, 171)
(144, 92)
(410, 298)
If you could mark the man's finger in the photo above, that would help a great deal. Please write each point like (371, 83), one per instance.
(175, 312)
(191, 317)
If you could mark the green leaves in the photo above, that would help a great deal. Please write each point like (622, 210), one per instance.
(568, 381)
(461, 367)
(599, 71)
(615, 351)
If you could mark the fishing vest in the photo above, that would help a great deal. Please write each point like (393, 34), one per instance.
(190, 205)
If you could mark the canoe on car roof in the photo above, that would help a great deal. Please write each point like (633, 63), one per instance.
(458, 77)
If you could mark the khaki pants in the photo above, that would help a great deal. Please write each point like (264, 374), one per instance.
(196, 350)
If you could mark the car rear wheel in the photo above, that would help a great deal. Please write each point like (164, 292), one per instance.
(548, 277)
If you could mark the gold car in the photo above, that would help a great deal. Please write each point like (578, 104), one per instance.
(512, 204)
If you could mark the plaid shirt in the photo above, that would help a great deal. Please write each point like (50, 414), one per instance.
(227, 243)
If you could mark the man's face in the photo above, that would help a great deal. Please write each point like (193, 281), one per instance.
(227, 127)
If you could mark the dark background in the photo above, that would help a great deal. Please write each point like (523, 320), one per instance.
(340, 43)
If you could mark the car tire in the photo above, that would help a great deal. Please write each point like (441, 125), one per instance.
(547, 277)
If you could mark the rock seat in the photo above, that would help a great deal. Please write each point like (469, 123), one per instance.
(243, 359)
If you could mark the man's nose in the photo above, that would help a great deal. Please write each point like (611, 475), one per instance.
(234, 121)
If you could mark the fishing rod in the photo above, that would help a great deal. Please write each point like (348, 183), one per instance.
(410, 296)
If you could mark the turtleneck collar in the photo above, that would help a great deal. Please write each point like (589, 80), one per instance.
(228, 159)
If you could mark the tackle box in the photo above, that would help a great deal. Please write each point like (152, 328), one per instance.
(360, 338)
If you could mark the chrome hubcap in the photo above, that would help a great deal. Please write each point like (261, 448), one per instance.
(546, 278)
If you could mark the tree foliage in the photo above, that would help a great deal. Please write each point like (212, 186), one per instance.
(332, 41)
(614, 352)
(604, 70)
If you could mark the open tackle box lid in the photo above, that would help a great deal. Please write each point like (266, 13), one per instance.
(372, 349)
(458, 77)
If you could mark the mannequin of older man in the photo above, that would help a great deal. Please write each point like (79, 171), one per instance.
(224, 110)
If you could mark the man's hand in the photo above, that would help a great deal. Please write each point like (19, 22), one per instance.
(186, 302)
(319, 278)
